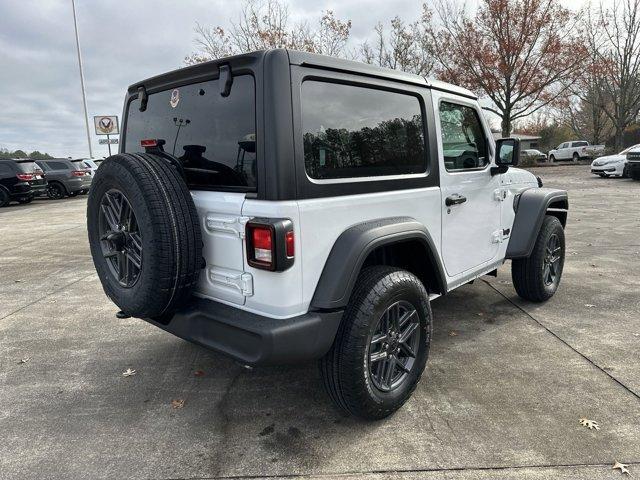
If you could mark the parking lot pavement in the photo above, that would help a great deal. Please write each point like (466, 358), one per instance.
(505, 387)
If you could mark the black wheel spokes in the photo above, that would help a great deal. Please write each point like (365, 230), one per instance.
(392, 349)
(553, 254)
(120, 236)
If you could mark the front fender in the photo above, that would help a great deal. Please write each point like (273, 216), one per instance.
(531, 206)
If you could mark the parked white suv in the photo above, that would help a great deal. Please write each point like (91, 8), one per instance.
(281, 207)
(575, 151)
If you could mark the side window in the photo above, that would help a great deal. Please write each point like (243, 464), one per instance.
(57, 165)
(5, 170)
(351, 131)
(463, 140)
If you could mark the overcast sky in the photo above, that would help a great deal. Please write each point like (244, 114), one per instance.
(122, 42)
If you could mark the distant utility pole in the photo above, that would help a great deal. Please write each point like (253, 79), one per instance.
(84, 95)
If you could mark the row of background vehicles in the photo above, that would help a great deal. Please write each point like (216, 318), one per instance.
(22, 180)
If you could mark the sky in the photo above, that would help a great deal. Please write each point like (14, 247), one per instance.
(121, 42)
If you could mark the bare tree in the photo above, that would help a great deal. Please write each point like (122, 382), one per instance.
(615, 47)
(406, 47)
(265, 25)
(521, 54)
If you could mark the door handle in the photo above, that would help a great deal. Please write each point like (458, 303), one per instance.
(455, 199)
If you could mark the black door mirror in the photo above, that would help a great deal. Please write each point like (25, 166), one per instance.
(507, 154)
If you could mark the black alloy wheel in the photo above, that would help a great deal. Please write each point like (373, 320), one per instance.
(120, 238)
(393, 346)
(550, 265)
(56, 191)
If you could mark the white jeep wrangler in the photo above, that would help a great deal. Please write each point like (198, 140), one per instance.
(281, 207)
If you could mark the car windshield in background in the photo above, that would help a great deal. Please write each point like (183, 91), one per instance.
(213, 136)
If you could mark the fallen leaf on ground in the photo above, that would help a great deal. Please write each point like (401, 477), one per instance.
(621, 466)
(453, 333)
(128, 372)
(24, 360)
(593, 265)
(589, 305)
(177, 403)
(590, 424)
(199, 373)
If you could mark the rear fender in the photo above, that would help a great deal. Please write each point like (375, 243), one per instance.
(354, 245)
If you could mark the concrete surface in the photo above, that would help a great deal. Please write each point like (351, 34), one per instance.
(505, 386)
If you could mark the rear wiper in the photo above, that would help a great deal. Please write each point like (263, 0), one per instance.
(225, 80)
(144, 98)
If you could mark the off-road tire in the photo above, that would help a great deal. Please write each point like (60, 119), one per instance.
(56, 191)
(5, 198)
(168, 224)
(552, 158)
(576, 157)
(344, 369)
(528, 273)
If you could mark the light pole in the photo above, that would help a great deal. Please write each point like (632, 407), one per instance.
(84, 96)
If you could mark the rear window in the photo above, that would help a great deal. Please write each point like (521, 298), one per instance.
(213, 136)
(580, 144)
(80, 165)
(28, 167)
(351, 131)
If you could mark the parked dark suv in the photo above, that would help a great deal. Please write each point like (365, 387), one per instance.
(66, 177)
(20, 181)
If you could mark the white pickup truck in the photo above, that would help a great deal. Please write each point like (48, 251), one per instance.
(575, 151)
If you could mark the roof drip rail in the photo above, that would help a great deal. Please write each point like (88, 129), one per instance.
(144, 98)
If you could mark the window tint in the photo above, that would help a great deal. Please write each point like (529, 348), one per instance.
(5, 169)
(351, 131)
(580, 144)
(213, 136)
(57, 165)
(27, 167)
(463, 140)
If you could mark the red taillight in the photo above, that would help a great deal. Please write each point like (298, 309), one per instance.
(289, 241)
(262, 242)
(270, 243)
(79, 173)
(150, 142)
(25, 176)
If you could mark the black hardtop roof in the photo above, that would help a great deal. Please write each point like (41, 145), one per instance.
(205, 70)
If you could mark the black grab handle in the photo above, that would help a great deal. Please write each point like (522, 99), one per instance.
(455, 199)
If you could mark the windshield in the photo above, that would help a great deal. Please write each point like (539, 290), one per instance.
(632, 147)
(213, 136)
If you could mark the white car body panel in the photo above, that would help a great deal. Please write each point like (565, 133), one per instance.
(473, 233)
(609, 165)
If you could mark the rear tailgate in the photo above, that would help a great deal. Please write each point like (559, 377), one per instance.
(213, 136)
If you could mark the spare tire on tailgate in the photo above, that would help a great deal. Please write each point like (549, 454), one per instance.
(144, 234)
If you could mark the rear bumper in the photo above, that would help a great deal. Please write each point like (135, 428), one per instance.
(253, 339)
(79, 183)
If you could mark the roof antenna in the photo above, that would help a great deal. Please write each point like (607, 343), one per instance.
(225, 80)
